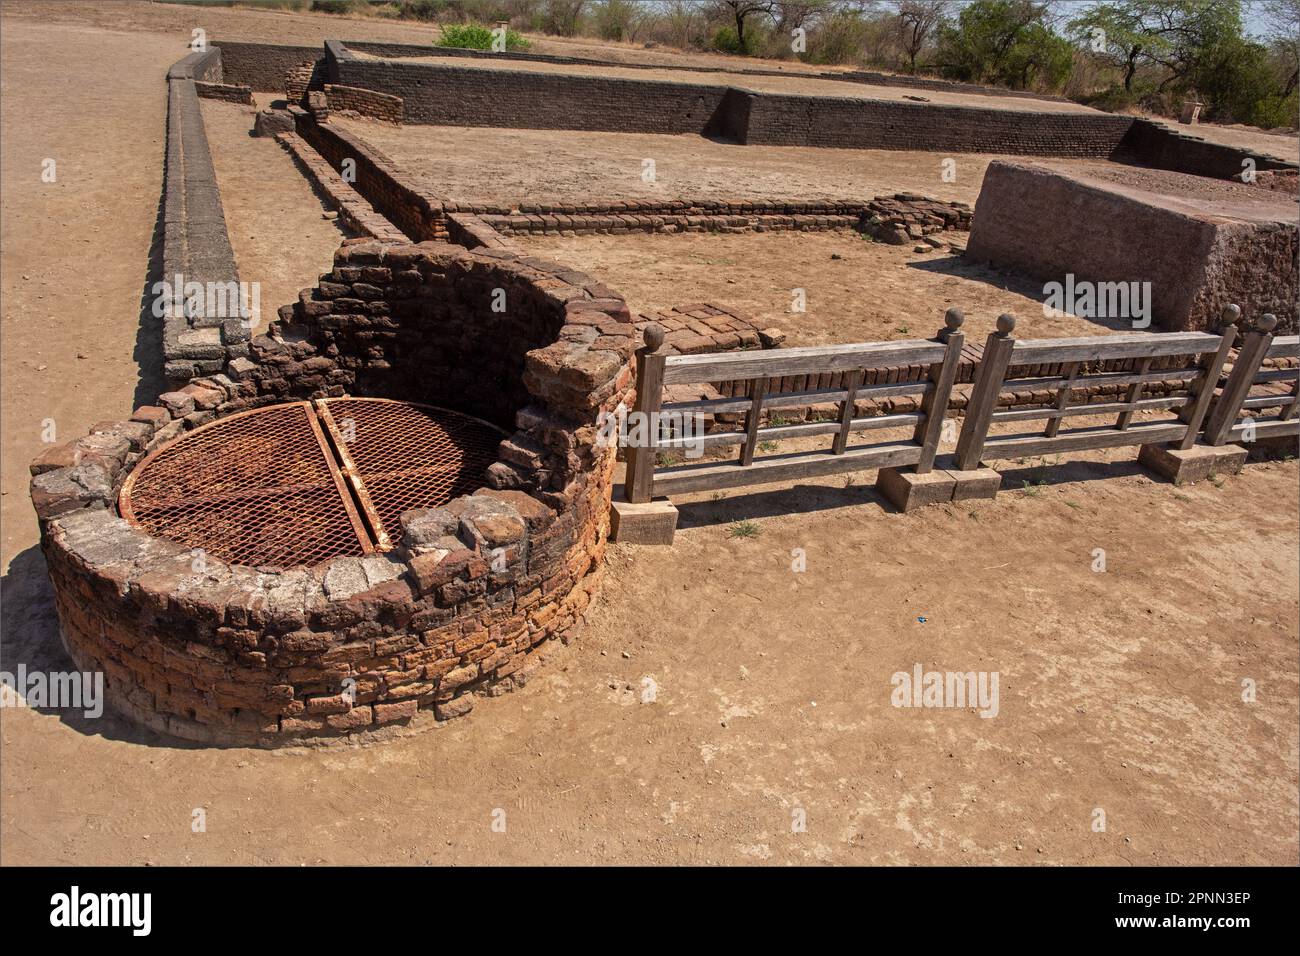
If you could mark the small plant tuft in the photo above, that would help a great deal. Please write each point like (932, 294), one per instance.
(744, 529)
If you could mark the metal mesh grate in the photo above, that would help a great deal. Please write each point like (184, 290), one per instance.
(298, 484)
(411, 456)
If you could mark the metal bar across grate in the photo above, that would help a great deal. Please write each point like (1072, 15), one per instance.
(304, 482)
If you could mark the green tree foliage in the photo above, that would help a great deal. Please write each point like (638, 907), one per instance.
(1009, 42)
(1166, 50)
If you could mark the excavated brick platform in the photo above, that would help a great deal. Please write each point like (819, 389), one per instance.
(1200, 243)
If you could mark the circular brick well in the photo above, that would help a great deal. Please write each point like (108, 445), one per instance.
(445, 601)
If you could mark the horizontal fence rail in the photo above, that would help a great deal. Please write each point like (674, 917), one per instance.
(1194, 357)
(1183, 369)
(942, 355)
(1252, 388)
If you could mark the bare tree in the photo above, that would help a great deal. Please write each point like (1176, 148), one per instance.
(918, 22)
(561, 16)
(741, 10)
(1283, 20)
(791, 15)
(685, 21)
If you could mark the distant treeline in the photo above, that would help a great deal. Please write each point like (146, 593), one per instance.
(1115, 54)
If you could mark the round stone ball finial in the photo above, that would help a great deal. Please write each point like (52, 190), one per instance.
(954, 318)
(1006, 324)
(1266, 322)
(653, 335)
(1231, 315)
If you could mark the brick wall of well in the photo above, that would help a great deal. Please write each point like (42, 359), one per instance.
(466, 606)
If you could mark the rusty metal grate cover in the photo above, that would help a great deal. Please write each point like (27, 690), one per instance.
(301, 483)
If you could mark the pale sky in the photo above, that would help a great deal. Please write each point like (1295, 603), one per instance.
(1250, 13)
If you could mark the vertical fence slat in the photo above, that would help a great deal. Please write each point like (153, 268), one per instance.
(751, 423)
(935, 403)
(851, 383)
(1071, 371)
(1244, 369)
(1293, 409)
(1134, 393)
(638, 485)
(989, 375)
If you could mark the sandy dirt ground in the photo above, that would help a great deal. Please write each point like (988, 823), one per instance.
(77, 250)
(792, 84)
(1118, 690)
(481, 164)
(872, 292)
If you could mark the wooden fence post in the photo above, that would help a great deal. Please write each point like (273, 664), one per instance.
(989, 375)
(1203, 386)
(638, 484)
(935, 403)
(1244, 369)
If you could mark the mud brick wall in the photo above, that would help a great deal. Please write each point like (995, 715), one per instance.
(622, 223)
(472, 232)
(407, 201)
(780, 120)
(353, 209)
(1154, 144)
(379, 106)
(459, 96)
(860, 76)
(942, 86)
(1196, 262)
(815, 410)
(906, 217)
(886, 217)
(231, 93)
(470, 601)
(196, 245)
(263, 66)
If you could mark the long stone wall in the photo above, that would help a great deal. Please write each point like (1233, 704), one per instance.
(460, 96)
(196, 246)
(263, 66)
(781, 120)
(861, 77)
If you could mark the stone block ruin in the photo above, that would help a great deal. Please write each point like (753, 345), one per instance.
(393, 501)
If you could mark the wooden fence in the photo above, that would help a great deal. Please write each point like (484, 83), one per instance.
(654, 371)
(1226, 420)
(1068, 371)
(1197, 357)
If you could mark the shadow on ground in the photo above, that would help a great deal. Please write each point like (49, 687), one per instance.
(961, 267)
(810, 499)
(29, 636)
(148, 337)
